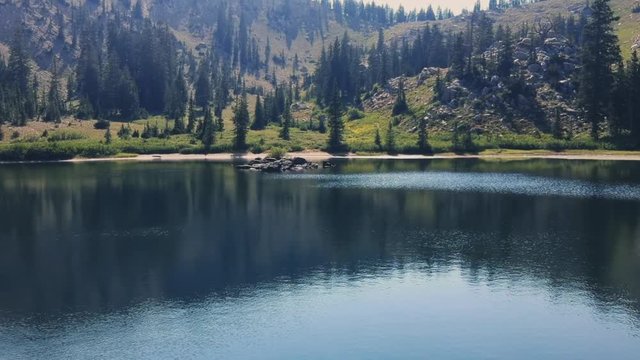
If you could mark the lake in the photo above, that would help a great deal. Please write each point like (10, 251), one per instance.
(373, 259)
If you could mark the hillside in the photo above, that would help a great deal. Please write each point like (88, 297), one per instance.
(281, 54)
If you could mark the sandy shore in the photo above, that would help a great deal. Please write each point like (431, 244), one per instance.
(319, 156)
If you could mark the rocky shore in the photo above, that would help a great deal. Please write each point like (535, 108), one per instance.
(273, 165)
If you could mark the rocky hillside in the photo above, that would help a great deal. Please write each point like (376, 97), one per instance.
(49, 24)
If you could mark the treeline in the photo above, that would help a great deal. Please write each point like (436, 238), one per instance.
(231, 41)
(127, 69)
(18, 87)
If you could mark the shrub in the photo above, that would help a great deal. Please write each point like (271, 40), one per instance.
(65, 135)
(354, 114)
(256, 149)
(277, 152)
(102, 124)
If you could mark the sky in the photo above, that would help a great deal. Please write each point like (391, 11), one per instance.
(455, 5)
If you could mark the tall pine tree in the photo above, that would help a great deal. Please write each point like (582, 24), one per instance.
(600, 52)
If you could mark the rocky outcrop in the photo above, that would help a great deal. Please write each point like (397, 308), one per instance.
(272, 165)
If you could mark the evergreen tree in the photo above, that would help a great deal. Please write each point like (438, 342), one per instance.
(423, 141)
(220, 124)
(400, 106)
(286, 123)
(633, 74)
(178, 96)
(557, 125)
(259, 121)
(377, 140)
(125, 132)
(191, 116)
(20, 86)
(505, 55)
(336, 126)
(600, 52)
(107, 136)
(322, 127)
(390, 142)
(207, 135)
(178, 126)
(203, 86)
(54, 106)
(619, 111)
(241, 122)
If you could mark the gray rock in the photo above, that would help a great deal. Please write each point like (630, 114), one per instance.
(298, 161)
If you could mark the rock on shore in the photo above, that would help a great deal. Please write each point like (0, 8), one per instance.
(272, 165)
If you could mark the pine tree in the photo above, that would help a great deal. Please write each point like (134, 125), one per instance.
(203, 86)
(505, 55)
(107, 136)
(207, 135)
(557, 125)
(322, 127)
(286, 123)
(178, 126)
(241, 120)
(633, 75)
(600, 52)
(220, 124)
(423, 141)
(619, 111)
(54, 105)
(177, 97)
(390, 142)
(191, 116)
(125, 132)
(400, 106)
(258, 116)
(377, 141)
(336, 126)
(19, 75)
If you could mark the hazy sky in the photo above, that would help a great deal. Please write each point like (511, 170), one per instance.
(455, 5)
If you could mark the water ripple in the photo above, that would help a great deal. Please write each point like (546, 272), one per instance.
(477, 182)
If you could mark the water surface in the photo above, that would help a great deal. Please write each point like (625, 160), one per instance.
(373, 259)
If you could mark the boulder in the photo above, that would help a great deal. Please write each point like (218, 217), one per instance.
(271, 165)
(298, 161)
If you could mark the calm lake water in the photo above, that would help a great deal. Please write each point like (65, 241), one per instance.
(445, 259)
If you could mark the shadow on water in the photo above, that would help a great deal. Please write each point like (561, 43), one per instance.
(102, 237)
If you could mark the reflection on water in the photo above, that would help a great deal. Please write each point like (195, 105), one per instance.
(369, 259)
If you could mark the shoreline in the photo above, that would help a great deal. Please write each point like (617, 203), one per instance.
(321, 156)
(316, 156)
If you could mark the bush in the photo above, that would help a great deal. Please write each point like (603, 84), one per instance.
(51, 151)
(256, 149)
(277, 152)
(102, 124)
(65, 135)
(354, 114)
